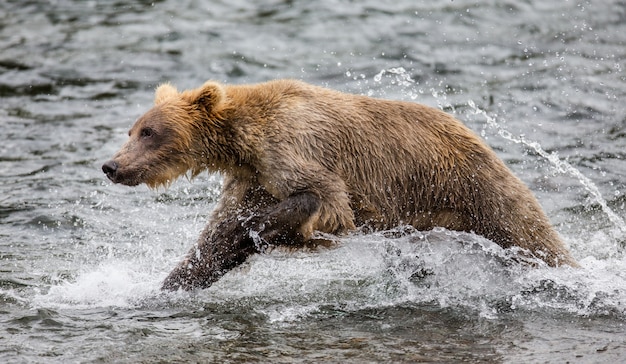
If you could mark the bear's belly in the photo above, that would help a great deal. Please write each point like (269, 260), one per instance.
(422, 220)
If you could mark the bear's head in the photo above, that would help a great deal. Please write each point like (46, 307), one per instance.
(171, 139)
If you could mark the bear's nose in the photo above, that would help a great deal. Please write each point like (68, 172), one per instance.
(110, 168)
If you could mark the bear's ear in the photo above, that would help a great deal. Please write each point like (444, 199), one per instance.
(164, 92)
(207, 97)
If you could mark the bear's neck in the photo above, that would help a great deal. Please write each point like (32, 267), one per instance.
(230, 145)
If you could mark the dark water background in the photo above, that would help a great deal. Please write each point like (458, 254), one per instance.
(81, 260)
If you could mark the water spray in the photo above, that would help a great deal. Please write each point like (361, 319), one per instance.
(403, 78)
(559, 164)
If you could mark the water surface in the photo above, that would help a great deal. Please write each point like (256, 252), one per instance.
(82, 260)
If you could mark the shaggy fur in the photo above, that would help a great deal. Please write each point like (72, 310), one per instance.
(297, 158)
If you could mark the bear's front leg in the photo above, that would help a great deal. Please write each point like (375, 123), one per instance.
(221, 247)
(229, 242)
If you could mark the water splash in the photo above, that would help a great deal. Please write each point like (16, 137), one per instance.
(113, 284)
(389, 268)
(401, 77)
(561, 166)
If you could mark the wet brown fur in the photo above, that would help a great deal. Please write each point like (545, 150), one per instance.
(297, 158)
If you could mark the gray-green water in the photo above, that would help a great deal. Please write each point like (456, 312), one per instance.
(81, 260)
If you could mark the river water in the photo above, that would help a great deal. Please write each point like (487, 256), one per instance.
(81, 260)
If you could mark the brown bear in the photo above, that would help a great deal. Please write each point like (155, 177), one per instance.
(298, 159)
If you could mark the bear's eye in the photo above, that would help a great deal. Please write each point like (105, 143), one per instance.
(146, 132)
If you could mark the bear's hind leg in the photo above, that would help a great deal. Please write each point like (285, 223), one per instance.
(290, 221)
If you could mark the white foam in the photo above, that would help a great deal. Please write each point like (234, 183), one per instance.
(111, 284)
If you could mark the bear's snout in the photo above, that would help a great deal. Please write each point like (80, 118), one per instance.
(110, 169)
